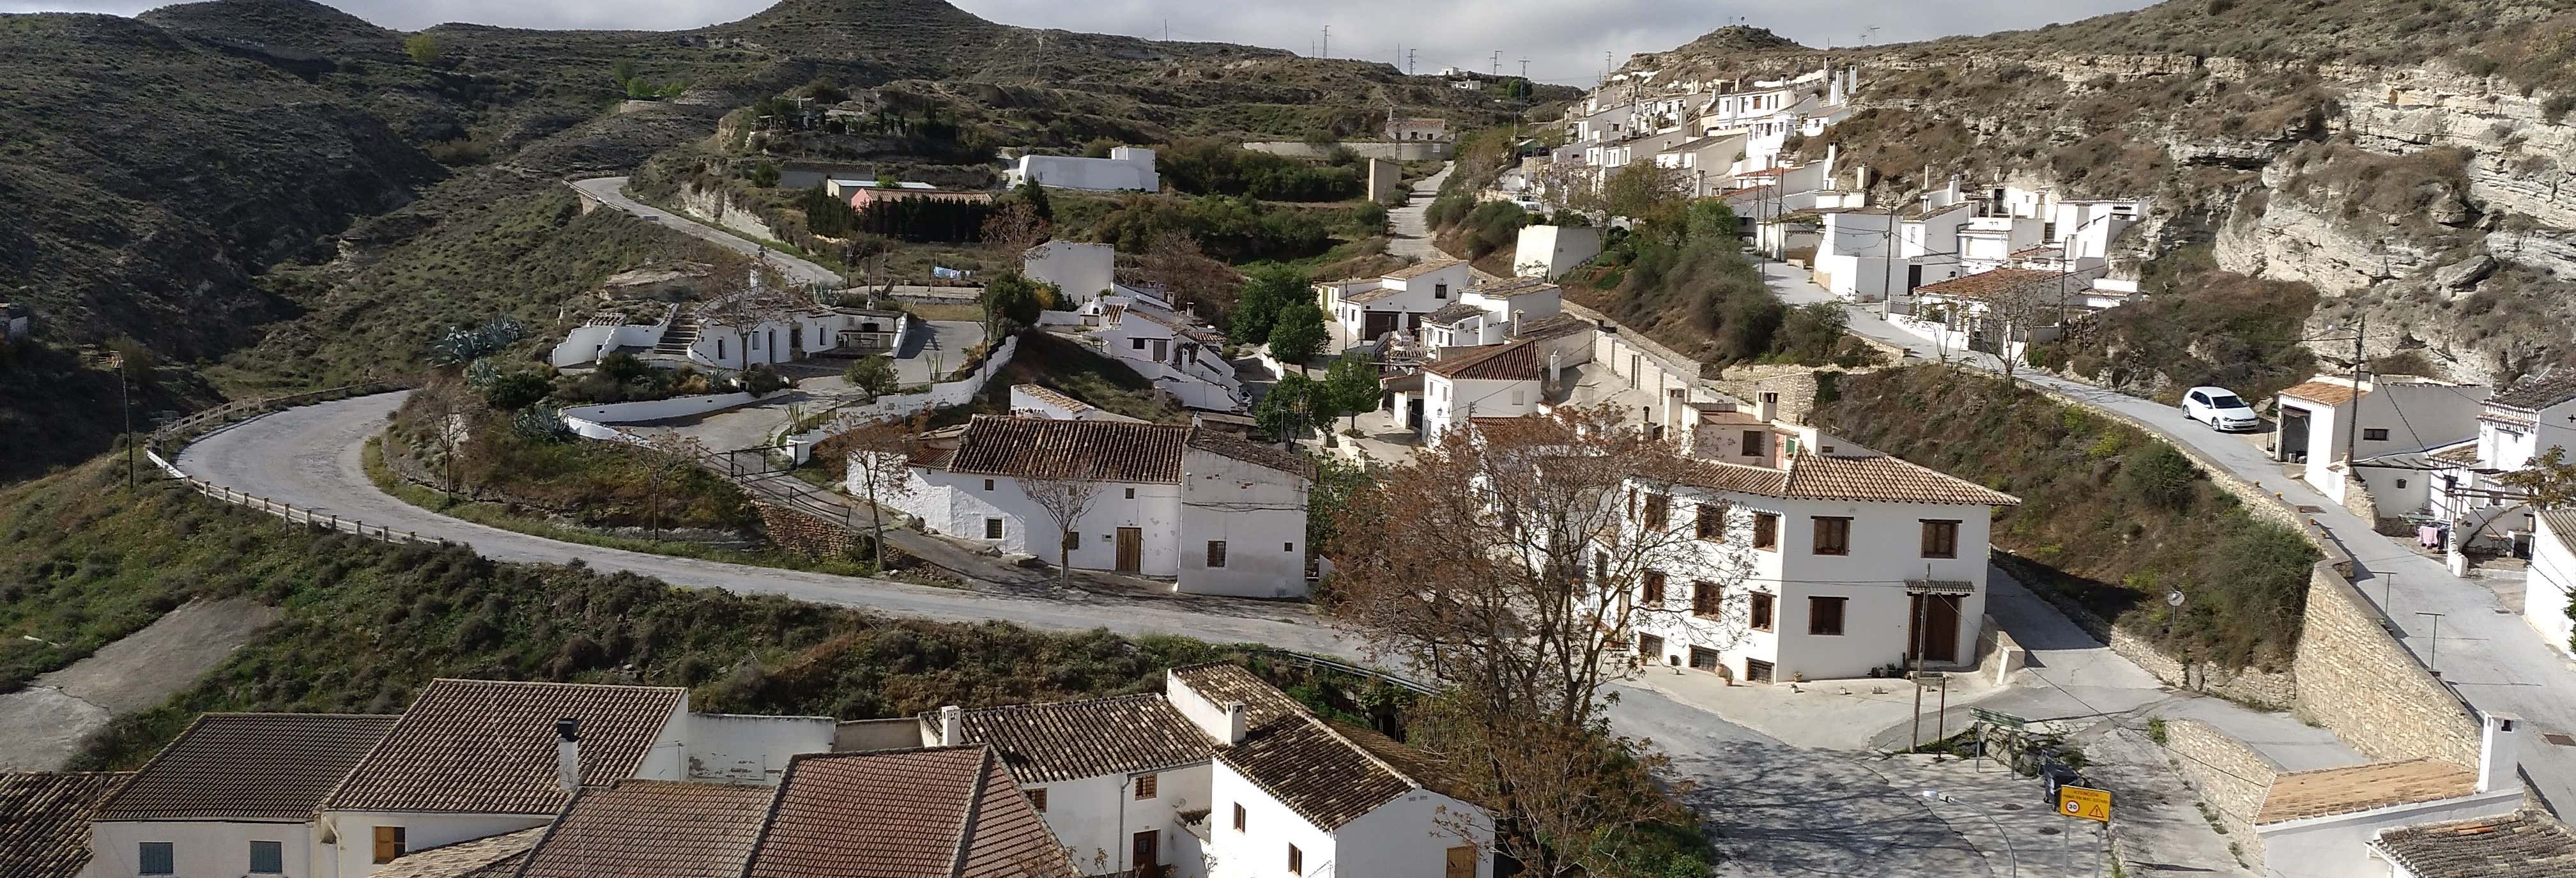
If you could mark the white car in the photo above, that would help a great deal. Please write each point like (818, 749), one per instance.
(2218, 408)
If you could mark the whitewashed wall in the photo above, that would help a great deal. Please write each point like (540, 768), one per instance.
(1096, 819)
(736, 748)
(940, 395)
(1411, 837)
(1260, 849)
(1259, 512)
(203, 849)
(357, 833)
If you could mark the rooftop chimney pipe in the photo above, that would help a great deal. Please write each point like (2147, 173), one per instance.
(568, 754)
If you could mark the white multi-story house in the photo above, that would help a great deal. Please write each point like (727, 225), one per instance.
(1127, 168)
(1218, 514)
(2326, 416)
(2552, 582)
(1221, 775)
(1818, 567)
(779, 330)
(1365, 310)
(1496, 381)
(1488, 312)
(316, 796)
(2515, 426)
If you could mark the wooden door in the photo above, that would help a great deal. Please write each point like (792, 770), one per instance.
(1148, 850)
(1462, 863)
(1131, 549)
(1375, 324)
(1937, 634)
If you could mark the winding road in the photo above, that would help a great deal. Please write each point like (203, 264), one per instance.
(611, 191)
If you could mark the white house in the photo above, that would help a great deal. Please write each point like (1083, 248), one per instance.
(2328, 823)
(1486, 313)
(1082, 272)
(1218, 514)
(781, 330)
(1179, 354)
(235, 794)
(472, 759)
(1366, 309)
(1495, 381)
(2552, 582)
(1825, 567)
(1223, 775)
(1415, 127)
(1040, 401)
(1706, 162)
(2322, 418)
(2518, 424)
(1548, 252)
(1126, 168)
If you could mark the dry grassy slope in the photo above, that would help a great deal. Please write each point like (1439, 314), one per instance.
(2361, 146)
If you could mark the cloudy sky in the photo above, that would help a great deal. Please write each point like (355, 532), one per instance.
(1563, 42)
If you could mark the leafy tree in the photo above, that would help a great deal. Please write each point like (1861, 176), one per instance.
(1298, 335)
(1011, 303)
(2160, 475)
(1709, 219)
(1035, 196)
(422, 48)
(764, 175)
(516, 390)
(2549, 481)
(1349, 388)
(873, 375)
(1268, 288)
(1288, 409)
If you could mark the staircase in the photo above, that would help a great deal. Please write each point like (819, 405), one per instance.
(676, 340)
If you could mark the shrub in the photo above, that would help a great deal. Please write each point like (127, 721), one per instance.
(762, 378)
(516, 390)
(1215, 167)
(2556, 107)
(873, 375)
(764, 175)
(2161, 475)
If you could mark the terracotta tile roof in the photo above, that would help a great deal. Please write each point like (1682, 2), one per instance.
(1514, 361)
(1222, 682)
(1111, 451)
(2465, 453)
(1048, 395)
(2538, 391)
(44, 820)
(949, 812)
(248, 766)
(654, 829)
(2330, 791)
(1924, 213)
(1989, 284)
(1316, 771)
(1424, 267)
(1452, 313)
(2326, 392)
(1887, 479)
(1070, 740)
(2526, 844)
(1371, 295)
(1722, 476)
(1178, 326)
(1514, 287)
(492, 857)
(1553, 326)
(1255, 453)
(488, 746)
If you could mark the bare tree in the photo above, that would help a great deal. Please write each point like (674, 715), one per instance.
(879, 466)
(743, 313)
(1014, 229)
(1064, 501)
(1512, 563)
(1174, 263)
(2013, 313)
(672, 455)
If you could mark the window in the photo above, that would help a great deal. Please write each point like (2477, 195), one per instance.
(1145, 786)
(1706, 598)
(1136, 343)
(1072, 540)
(1131, 493)
(720, 349)
(1710, 524)
(1654, 588)
(1516, 397)
(1659, 512)
(1766, 530)
(1650, 648)
(267, 858)
(1296, 861)
(156, 858)
(2401, 483)
(1761, 612)
(992, 528)
(1753, 443)
(2375, 434)
(389, 844)
(1825, 616)
(1440, 291)
(1216, 553)
(988, 484)
(1940, 539)
(1833, 535)
(1601, 566)
(1238, 816)
(1037, 800)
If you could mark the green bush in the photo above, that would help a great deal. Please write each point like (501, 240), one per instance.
(1216, 167)
(1234, 230)
(2160, 475)
(516, 390)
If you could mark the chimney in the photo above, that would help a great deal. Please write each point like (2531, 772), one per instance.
(1555, 369)
(2499, 754)
(1766, 406)
(952, 726)
(568, 754)
(1234, 723)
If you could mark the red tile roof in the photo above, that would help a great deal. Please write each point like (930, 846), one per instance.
(1424, 267)
(1071, 740)
(2331, 791)
(44, 820)
(488, 746)
(2539, 391)
(948, 812)
(248, 766)
(654, 829)
(1515, 361)
(496, 856)
(1315, 771)
(2327, 392)
(1879, 479)
(1108, 451)
(2524, 844)
(1051, 396)
(1989, 284)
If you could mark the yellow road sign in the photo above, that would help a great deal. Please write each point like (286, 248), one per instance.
(2084, 803)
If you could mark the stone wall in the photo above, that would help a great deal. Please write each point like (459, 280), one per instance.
(2231, 778)
(2275, 690)
(806, 535)
(2356, 680)
(714, 206)
(1405, 151)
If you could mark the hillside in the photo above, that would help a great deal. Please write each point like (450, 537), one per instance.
(2381, 152)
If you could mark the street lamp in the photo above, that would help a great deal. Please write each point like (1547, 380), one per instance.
(2009, 855)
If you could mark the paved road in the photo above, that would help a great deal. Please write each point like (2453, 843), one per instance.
(611, 191)
(1412, 234)
(2488, 654)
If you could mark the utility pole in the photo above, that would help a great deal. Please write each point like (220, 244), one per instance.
(1408, 61)
(1914, 741)
(2352, 425)
(1498, 63)
(1328, 41)
(1524, 70)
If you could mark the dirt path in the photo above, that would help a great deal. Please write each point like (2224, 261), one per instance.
(43, 726)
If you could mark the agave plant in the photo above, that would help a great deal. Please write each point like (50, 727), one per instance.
(461, 345)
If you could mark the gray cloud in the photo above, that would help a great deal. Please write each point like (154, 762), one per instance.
(1563, 42)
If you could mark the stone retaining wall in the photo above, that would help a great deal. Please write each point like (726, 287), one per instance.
(806, 535)
(2357, 681)
(2231, 778)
